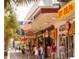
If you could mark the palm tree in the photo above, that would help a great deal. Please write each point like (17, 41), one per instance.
(10, 22)
(11, 25)
(18, 2)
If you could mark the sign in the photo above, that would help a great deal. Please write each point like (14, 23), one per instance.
(67, 10)
(62, 27)
(22, 40)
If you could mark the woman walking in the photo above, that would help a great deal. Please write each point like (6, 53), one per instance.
(41, 52)
(53, 51)
(27, 52)
(35, 52)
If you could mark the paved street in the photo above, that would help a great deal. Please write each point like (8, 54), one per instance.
(12, 54)
(15, 54)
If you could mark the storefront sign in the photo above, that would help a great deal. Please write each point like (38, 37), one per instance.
(62, 27)
(22, 40)
(67, 10)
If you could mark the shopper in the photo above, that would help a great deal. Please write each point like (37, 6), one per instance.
(27, 52)
(62, 51)
(23, 50)
(41, 52)
(53, 51)
(21, 47)
(35, 52)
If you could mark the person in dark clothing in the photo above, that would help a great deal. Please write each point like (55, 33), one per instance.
(41, 52)
(47, 43)
(23, 51)
(46, 48)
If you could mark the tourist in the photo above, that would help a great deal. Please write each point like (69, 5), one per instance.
(27, 52)
(35, 52)
(53, 51)
(41, 52)
(62, 51)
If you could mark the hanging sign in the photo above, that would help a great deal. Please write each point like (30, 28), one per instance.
(67, 10)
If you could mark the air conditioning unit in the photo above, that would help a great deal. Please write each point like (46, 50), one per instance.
(56, 5)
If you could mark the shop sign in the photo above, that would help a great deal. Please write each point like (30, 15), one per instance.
(67, 10)
(22, 40)
(62, 27)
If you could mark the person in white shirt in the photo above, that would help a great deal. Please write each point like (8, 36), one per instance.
(41, 52)
(35, 52)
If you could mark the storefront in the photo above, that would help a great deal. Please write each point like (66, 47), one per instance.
(66, 37)
(40, 39)
(46, 37)
(53, 35)
(67, 30)
(63, 39)
(22, 40)
(43, 39)
(71, 40)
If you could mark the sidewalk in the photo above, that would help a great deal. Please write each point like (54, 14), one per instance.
(16, 54)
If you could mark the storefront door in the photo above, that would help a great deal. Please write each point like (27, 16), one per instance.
(64, 41)
(71, 46)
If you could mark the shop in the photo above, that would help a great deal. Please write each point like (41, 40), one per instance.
(39, 37)
(48, 42)
(53, 36)
(66, 37)
(63, 39)
(67, 30)
(71, 40)
(43, 38)
(46, 37)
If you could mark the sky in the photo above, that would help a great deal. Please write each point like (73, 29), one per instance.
(22, 11)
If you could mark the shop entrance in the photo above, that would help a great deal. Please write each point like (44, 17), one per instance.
(68, 42)
(64, 41)
(71, 46)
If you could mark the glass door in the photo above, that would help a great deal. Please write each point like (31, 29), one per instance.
(71, 46)
(64, 41)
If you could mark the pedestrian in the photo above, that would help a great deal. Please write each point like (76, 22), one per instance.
(23, 50)
(41, 52)
(62, 51)
(35, 52)
(53, 51)
(27, 52)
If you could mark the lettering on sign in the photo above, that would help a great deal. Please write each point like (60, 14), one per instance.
(66, 10)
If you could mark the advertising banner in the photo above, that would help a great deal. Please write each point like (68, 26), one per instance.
(67, 10)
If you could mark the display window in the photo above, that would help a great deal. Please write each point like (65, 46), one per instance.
(71, 46)
(67, 39)
(63, 40)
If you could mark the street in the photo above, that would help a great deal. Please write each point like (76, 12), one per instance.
(16, 54)
(44, 31)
